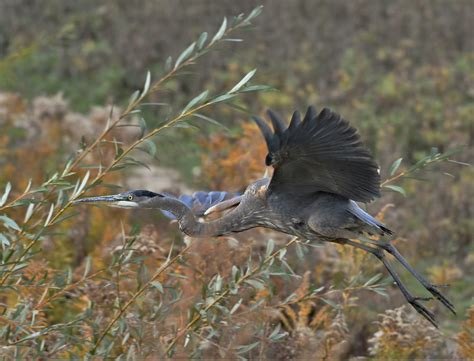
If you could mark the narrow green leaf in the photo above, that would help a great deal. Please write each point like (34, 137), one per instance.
(275, 332)
(317, 290)
(253, 14)
(396, 189)
(222, 98)
(380, 291)
(372, 280)
(287, 266)
(243, 81)
(195, 101)
(236, 306)
(53, 177)
(146, 87)
(290, 298)
(117, 167)
(394, 166)
(20, 266)
(220, 32)
(235, 272)
(50, 214)
(75, 189)
(28, 186)
(29, 212)
(88, 266)
(133, 97)
(10, 223)
(201, 41)
(270, 247)
(168, 63)
(210, 120)
(247, 348)
(186, 125)
(83, 183)
(66, 169)
(151, 147)
(118, 151)
(299, 251)
(257, 88)
(331, 303)
(257, 304)
(218, 283)
(132, 161)
(185, 55)
(60, 183)
(110, 117)
(4, 241)
(157, 104)
(256, 284)
(236, 20)
(8, 188)
(143, 127)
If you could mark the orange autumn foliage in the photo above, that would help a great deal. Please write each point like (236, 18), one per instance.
(232, 162)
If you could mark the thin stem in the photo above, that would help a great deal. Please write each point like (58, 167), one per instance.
(394, 178)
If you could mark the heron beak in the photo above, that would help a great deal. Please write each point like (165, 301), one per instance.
(112, 200)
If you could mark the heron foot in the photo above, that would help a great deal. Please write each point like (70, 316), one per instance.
(422, 310)
(433, 289)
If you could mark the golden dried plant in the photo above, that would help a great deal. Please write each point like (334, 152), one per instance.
(465, 338)
(404, 335)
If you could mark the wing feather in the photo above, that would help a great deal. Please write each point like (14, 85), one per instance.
(199, 202)
(321, 153)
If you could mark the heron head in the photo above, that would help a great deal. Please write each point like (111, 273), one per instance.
(129, 199)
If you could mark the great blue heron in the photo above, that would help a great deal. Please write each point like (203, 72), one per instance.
(320, 170)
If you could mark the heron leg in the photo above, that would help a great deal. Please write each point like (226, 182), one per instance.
(390, 248)
(414, 301)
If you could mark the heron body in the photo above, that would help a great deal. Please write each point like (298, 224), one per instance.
(321, 170)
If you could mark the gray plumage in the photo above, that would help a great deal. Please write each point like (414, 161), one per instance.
(320, 169)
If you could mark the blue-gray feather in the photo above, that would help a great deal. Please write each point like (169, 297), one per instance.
(199, 202)
(373, 225)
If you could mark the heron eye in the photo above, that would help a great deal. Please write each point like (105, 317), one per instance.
(130, 198)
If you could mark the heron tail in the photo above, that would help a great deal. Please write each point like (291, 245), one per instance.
(370, 224)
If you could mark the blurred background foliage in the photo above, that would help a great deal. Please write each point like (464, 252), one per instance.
(401, 71)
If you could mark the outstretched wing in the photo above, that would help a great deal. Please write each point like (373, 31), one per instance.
(321, 153)
(200, 202)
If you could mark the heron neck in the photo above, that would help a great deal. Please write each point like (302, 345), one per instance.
(188, 224)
